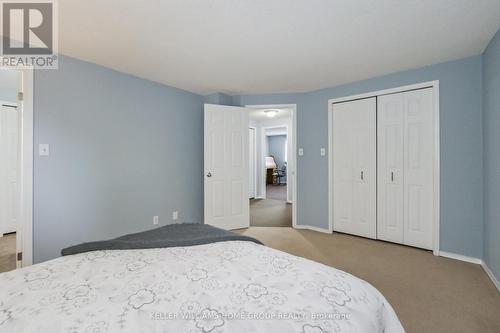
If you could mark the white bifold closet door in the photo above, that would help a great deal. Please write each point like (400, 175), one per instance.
(405, 168)
(390, 187)
(354, 167)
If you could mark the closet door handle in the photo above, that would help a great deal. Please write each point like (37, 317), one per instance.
(392, 176)
(362, 175)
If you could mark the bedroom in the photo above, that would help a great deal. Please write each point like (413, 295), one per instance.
(113, 143)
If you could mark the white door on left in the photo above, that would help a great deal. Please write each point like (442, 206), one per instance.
(354, 167)
(9, 163)
(226, 155)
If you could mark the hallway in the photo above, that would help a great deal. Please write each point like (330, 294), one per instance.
(270, 213)
(276, 192)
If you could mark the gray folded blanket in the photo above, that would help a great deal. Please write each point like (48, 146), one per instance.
(186, 234)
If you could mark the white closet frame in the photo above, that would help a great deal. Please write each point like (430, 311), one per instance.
(430, 84)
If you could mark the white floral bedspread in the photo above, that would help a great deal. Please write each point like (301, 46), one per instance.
(221, 287)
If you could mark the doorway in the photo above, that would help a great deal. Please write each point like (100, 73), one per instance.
(272, 203)
(228, 164)
(275, 154)
(9, 168)
(16, 168)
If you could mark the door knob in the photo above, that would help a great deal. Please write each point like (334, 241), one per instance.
(209, 174)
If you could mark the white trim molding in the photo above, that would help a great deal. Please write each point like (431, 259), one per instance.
(26, 168)
(330, 167)
(254, 190)
(460, 257)
(473, 260)
(437, 163)
(491, 275)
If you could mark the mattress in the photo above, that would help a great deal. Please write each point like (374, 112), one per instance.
(231, 286)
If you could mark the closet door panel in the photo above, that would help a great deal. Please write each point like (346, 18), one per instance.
(390, 146)
(342, 171)
(419, 163)
(354, 166)
(365, 179)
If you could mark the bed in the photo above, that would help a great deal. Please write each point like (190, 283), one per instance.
(222, 286)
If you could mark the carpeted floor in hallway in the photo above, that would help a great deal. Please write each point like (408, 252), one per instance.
(276, 192)
(7, 253)
(270, 213)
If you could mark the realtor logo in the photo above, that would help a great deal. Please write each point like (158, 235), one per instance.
(29, 34)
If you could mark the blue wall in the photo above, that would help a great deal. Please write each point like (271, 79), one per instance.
(219, 98)
(122, 150)
(491, 104)
(116, 158)
(461, 147)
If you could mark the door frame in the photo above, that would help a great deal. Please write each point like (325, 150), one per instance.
(437, 188)
(293, 156)
(26, 168)
(254, 162)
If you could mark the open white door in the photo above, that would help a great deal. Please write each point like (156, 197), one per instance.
(9, 184)
(22, 78)
(226, 166)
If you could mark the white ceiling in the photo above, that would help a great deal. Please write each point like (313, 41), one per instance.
(264, 46)
(259, 114)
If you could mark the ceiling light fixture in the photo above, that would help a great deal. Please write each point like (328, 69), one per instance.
(271, 113)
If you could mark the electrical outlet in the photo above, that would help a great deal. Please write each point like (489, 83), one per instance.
(322, 151)
(301, 151)
(156, 220)
(175, 215)
(43, 149)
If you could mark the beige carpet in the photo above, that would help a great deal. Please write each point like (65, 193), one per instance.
(276, 192)
(270, 213)
(430, 294)
(7, 253)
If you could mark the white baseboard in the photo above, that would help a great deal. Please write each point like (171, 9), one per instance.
(460, 257)
(308, 227)
(473, 261)
(491, 275)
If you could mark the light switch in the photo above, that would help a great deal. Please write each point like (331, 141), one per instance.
(322, 151)
(43, 149)
(301, 151)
